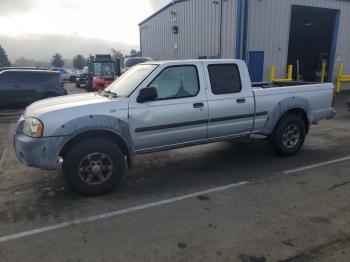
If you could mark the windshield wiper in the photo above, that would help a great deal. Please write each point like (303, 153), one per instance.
(107, 94)
(114, 95)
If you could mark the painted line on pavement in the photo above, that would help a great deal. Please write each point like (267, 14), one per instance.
(326, 163)
(2, 159)
(118, 212)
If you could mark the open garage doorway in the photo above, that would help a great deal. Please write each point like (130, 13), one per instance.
(312, 41)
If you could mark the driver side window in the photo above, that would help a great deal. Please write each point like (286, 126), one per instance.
(176, 82)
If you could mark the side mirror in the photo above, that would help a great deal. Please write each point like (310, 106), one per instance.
(147, 94)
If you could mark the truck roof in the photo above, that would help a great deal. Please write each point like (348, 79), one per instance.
(194, 60)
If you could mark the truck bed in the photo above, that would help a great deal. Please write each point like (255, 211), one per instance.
(270, 84)
(315, 98)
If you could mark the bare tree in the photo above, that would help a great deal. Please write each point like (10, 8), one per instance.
(57, 60)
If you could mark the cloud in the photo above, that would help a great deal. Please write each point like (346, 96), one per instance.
(157, 4)
(69, 5)
(10, 7)
(42, 47)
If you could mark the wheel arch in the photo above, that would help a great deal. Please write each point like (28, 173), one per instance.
(294, 105)
(299, 112)
(103, 133)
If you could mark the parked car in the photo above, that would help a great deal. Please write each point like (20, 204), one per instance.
(24, 68)
(164, 105)
(67, 75)
(82, 77)
(129, 62)
(19, 88)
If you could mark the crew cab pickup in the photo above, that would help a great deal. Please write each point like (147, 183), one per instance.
(157, 106)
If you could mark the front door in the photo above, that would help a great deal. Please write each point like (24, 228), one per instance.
(178, 115)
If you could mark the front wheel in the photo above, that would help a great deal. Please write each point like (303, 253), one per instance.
(94, 167)
(288, 136)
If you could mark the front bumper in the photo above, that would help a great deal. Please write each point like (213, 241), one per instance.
(35, 152)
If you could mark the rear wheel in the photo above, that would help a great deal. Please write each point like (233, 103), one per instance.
(94, 167)
(72, 79)
(288, 136)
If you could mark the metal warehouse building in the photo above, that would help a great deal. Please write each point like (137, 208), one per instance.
(262, 32)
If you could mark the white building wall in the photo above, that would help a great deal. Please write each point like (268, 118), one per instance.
(268, 30)
(199, 30)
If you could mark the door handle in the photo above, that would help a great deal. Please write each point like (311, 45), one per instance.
(240, 100)
(198, 105)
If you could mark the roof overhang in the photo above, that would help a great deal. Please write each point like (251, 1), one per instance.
(173, 2)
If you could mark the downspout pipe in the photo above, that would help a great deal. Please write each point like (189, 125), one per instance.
(221, 14)
(245, 29)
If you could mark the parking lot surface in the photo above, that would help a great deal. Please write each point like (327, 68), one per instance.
(227, 201)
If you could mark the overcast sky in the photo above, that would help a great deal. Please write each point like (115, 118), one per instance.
(37, 28)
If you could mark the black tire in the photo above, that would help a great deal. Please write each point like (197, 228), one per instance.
(48, 95)
(88, 87)
(77, 161)
(288, 136)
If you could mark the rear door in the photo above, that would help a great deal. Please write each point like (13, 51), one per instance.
(10, 89)
(178, 115)
(31, 85)
(231, 104)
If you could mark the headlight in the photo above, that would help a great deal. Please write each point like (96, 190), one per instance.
(33, 127)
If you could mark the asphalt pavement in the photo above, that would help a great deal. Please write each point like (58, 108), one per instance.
(227, 201)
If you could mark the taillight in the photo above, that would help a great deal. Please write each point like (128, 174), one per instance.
(334, 95)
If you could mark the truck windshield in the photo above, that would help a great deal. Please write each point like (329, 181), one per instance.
(130, 80)
(104, 68)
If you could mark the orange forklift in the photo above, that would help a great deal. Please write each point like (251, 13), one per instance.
(103, 70)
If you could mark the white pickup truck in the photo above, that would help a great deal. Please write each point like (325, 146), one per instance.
(164, 105)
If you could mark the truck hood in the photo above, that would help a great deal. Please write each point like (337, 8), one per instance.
(64, 103)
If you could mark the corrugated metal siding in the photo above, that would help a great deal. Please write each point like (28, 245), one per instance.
(229, 25)
(268, 30)
(199, 31)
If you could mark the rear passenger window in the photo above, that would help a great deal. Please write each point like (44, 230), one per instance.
(224, 79)
(32, 77)
(7, 77)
